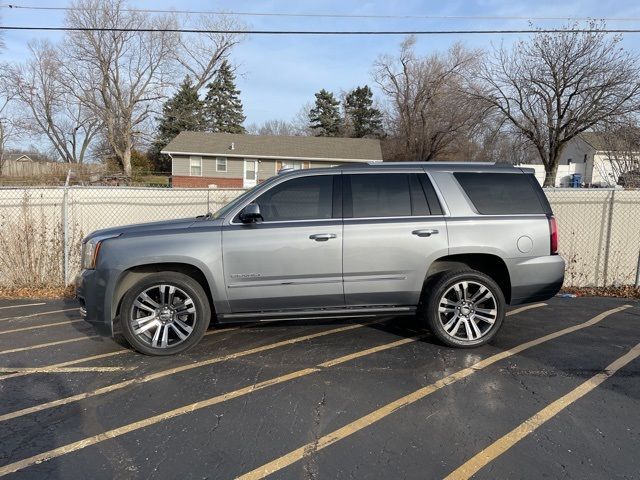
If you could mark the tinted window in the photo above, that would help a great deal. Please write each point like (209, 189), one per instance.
(306, 198)
(501, 193)
(385, 195)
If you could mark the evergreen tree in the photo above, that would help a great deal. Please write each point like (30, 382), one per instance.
(222, 104)
(324, 117)
(181, 112)
(363, 118)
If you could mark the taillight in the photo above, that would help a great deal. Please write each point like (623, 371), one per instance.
(553, 234)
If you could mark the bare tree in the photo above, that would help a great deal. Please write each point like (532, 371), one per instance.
(119, 75)
(620, 141)
(428, 107)
(272, 127)
(555, 86)
(7, 124)
(200, 54)
(52, 108)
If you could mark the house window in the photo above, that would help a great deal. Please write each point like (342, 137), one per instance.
(221, 164)
(195, 166)
(295, 164)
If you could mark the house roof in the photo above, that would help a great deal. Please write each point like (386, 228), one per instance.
(608, 141)
(268, 146)
(18, 157)
(596, 139)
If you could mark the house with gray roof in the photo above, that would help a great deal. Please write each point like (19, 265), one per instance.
(226, 160)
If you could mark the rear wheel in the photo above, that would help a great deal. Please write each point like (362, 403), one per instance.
(164, 314)
(465, 308)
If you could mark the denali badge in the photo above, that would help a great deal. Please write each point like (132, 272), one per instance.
(246, 275)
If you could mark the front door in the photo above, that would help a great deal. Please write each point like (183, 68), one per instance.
(250, 173)
(393, 230)
(293, 258)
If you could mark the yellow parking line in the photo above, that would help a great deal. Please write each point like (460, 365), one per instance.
(171, 371)
(50, 312)
(497, 448)
(383, 412)
(24, 329)
(525, 308)
(23, 305)
(116, 432)
(65, 369)
(49, 344)
(96, 357)
(63, 364)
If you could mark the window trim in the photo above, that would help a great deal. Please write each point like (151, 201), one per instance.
(222, 159)
(191, 165)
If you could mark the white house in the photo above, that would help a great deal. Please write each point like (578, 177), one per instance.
(589, 155)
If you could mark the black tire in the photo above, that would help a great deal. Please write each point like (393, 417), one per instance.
(443, 289)
(196, 314)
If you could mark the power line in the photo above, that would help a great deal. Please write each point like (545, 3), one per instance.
(326, 32)
(333, 15)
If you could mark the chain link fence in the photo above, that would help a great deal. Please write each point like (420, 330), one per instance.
(41, 229)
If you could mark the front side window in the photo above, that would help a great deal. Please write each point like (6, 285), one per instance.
(306, 198)
(385, 195)
(195, 166)
(221, 164)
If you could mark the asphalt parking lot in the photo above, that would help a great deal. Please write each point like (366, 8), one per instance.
(556, 395)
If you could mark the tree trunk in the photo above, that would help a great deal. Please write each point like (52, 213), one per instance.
(126, 160)
(551, 170)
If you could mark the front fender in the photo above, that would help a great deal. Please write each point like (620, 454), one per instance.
(200, 249)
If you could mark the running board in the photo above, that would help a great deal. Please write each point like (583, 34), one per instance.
(317, 313)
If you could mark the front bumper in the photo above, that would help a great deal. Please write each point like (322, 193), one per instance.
(535, 279)
(90, 292)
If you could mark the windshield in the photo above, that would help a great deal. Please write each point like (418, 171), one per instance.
(238, 200)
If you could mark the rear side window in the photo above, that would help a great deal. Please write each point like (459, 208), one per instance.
(371, 195)
(502, 193)
(306, 198)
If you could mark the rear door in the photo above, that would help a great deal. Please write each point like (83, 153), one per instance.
(394, 228)
(293, 258)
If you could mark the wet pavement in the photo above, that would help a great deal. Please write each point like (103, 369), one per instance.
(555, 395)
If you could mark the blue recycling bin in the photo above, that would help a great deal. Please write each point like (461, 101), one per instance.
(576, 180)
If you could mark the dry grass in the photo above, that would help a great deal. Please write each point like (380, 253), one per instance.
(13, 293)
(625, 291)
(33, 249)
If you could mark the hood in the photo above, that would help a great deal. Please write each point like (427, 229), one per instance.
(164, 225)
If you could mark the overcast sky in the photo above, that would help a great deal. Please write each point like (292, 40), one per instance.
(277, 75)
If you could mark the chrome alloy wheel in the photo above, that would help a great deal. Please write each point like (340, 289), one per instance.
(163, 316)
(467, 311)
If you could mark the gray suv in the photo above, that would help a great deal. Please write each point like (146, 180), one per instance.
(452, 243)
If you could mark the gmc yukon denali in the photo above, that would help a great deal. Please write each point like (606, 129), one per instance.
(452, 243)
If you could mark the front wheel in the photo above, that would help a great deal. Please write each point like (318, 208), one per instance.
(164, 313)
(465, 308)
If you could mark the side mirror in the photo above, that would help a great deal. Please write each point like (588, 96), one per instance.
(250, 213)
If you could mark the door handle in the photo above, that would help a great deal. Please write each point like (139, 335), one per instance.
(425, 233)
(322, 237)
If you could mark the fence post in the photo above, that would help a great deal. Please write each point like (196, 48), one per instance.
(208, 204)
(607, 247)
(638, 272)
(65, 234)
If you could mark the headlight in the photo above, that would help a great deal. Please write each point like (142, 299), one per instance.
(90, 250)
